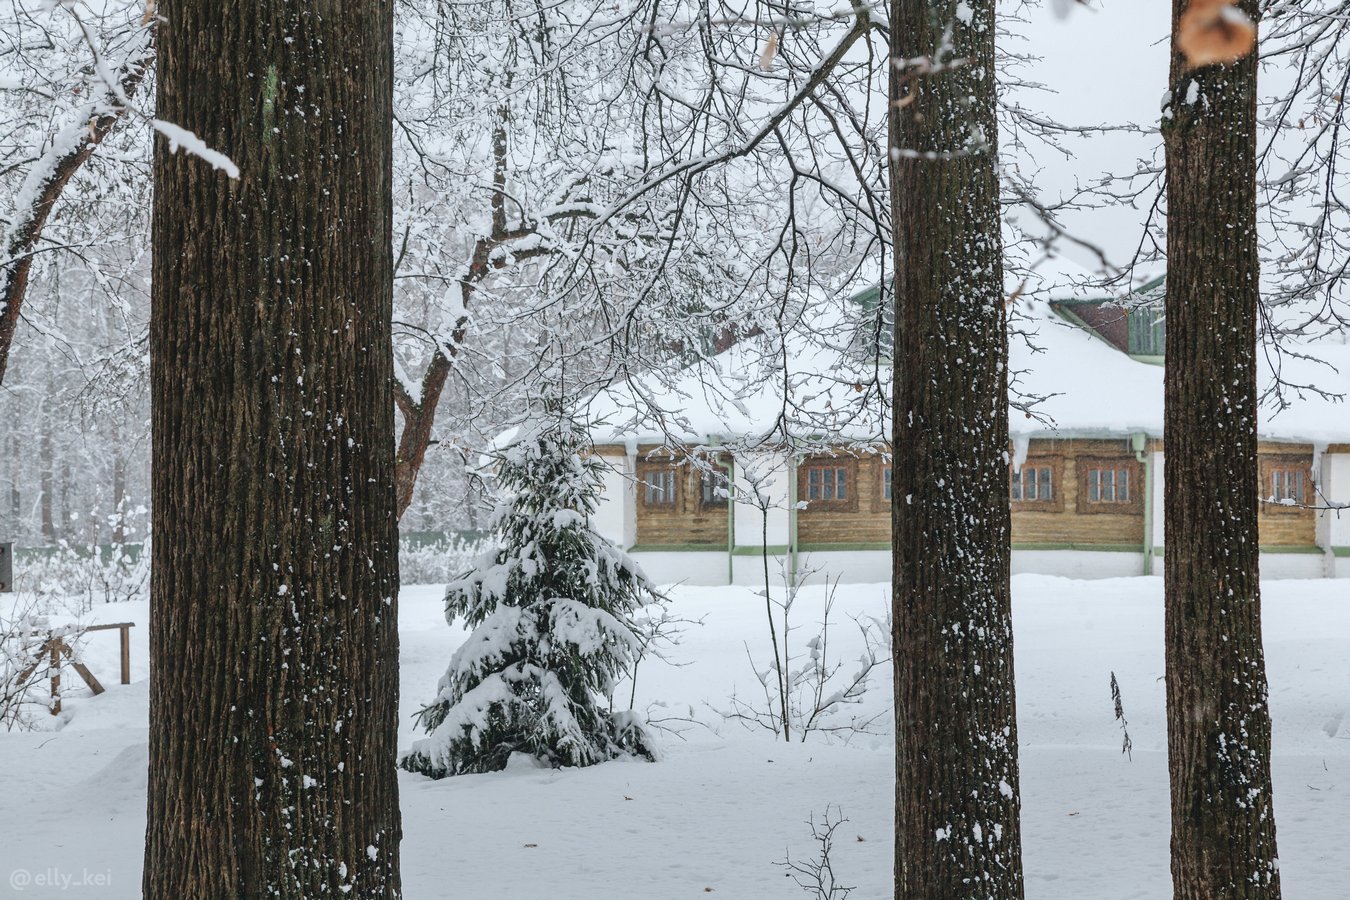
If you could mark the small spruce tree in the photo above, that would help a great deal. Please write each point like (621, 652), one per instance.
(551, 610)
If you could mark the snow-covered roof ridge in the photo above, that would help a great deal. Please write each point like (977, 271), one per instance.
(805, 384)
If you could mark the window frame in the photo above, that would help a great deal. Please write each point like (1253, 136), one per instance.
(1135, 470)
(1268, 464)
(718, 472)
(1147, 331)
(1056, 502)
(647, 468)
(848, 465)
(875, 502)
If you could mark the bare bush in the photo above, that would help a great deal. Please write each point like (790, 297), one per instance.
(816, 876)
(813, 690)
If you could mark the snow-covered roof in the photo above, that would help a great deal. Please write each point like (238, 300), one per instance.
(1090, 388)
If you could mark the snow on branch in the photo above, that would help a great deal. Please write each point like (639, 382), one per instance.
(69, 149)
(180, 137)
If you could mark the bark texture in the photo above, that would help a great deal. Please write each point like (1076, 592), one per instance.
(1218, 736)
(957, 801)
(273, 631)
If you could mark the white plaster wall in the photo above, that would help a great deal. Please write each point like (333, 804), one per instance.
(748, 569)
(610, 518)
(1158, 496)
(1336, 487)
(848, 566)
(874, 566)
(765, 474)
(684, 566)
(1080, 563)
(1292, 565)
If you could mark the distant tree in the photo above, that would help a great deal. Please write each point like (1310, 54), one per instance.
(956, 794)
(551, 608)
(274, 642)
(1218, 734)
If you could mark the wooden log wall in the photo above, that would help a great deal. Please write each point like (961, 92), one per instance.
(864, 519)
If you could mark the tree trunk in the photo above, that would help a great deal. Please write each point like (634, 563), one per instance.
(957, 801)
(1218, 735)
(16, 479)
(415, 437)
(119, 488)
(46, 485)
(274, 643)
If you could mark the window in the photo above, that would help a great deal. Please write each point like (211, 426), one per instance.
(1148, 332)
(886, 483)
(1285, 484)
(658, 487)
(713, 488)
(1033, 484)
(1109, 486)
(829, 484)
(1037, 486)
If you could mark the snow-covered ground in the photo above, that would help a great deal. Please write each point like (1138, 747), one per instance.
(725, 804)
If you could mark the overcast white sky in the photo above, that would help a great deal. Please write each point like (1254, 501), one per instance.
(1105, 64)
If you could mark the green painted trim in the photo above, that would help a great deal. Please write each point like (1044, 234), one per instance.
(677, 548)
(794, 463)
(731, 516)
(867, 297)
(827, 548)
(1149, 360)
(1144, 288)
(782, 549)
(752, 550)
(1104, 548)
(1139, 441)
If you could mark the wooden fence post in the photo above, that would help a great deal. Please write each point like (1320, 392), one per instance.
(55, 645)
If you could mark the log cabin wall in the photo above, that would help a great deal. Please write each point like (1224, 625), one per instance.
(1071, 515)
(1282, 466)
(862, 517)
(672, 509)
(1068, 517)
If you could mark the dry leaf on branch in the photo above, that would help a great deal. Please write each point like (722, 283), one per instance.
(1214, 32)
(770, 51)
